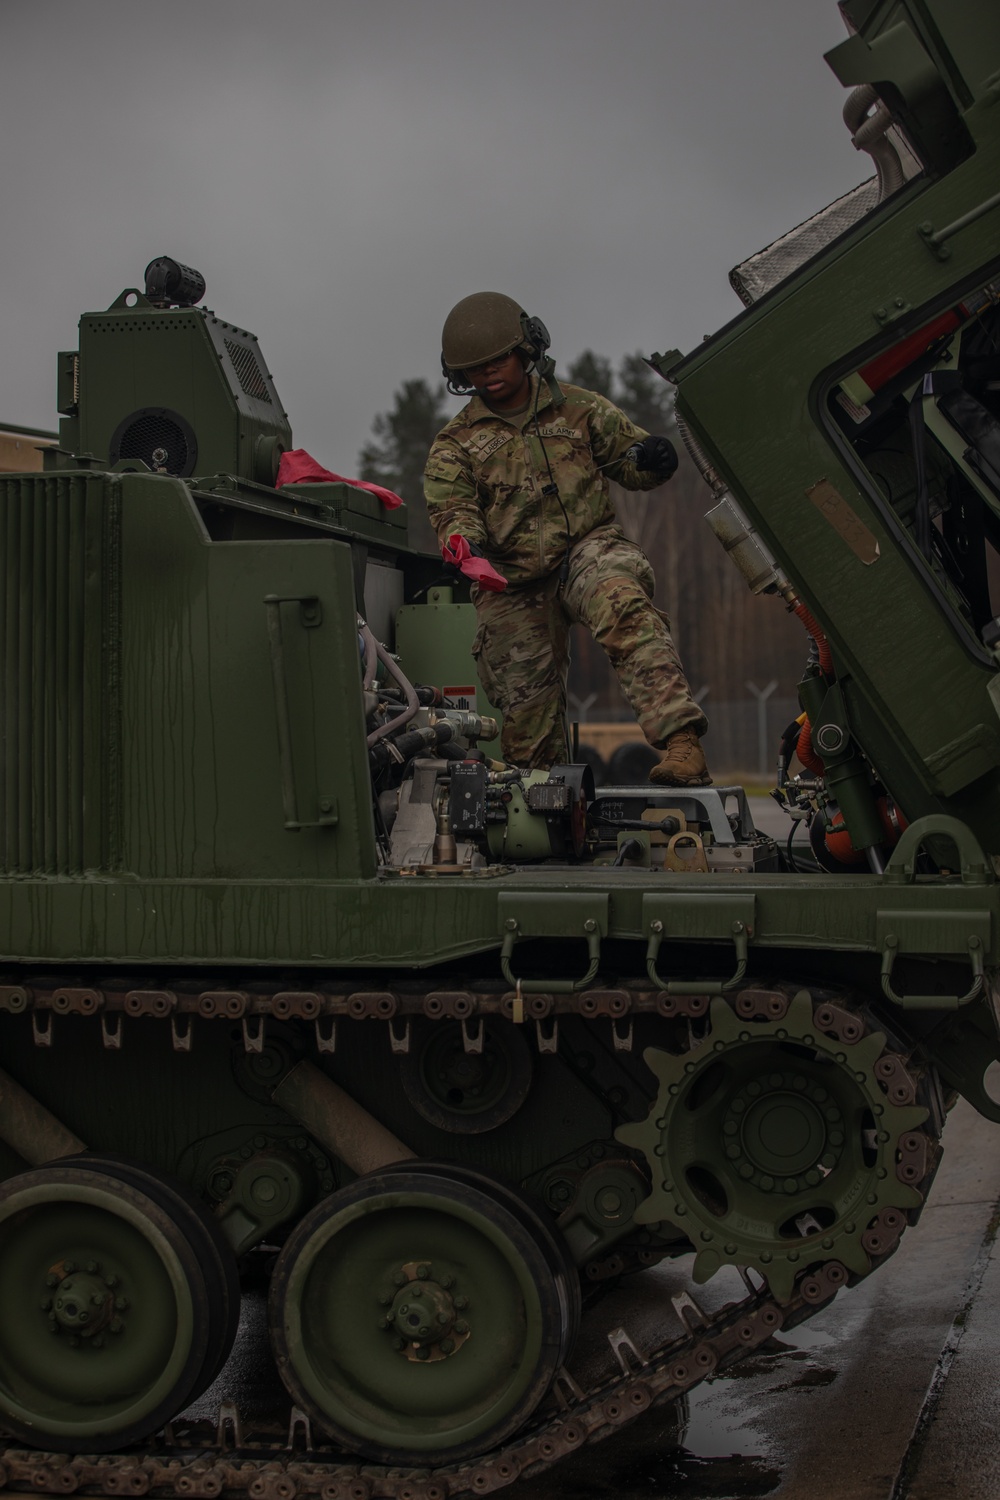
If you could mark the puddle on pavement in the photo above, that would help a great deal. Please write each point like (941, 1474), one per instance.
(652, 1459)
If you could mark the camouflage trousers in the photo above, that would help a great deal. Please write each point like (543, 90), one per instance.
(522, 649)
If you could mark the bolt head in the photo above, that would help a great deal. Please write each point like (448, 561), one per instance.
(97, 1300)
(423, 1272)
(446, 1346)
(461, 1302)
(116, 1325)
(461, 1326)
(46, 1303)
(51, 1279)
(93, 1266)
(121, 1303)
(399, 1279)
(423, 1354)
(112, 1281)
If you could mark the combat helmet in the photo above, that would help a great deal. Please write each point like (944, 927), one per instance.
(485, 326)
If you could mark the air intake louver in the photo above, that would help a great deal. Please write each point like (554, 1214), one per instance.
(59, 636)
(248, 371)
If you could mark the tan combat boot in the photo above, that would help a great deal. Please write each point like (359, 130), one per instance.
(683, 762)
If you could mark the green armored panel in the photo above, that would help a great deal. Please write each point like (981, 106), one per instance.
(241, 716)
(919, 680)
(434, 640)
(175, 387)
(357, 510)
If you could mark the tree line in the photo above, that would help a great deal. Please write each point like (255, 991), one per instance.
(727, 637)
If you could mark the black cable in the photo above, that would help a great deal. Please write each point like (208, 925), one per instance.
(552, 488)
(811, 868)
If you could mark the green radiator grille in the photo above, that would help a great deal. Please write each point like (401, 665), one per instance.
(59, 641)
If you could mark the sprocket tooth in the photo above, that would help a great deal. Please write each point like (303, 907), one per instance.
(780, 1277)
(633, 1134)
(663, 1064)
(866, 1053)
(898, 1194)
(657, 1209)
(853, 1255)
(906, 1116)
(707, 1263)
(799, 1016)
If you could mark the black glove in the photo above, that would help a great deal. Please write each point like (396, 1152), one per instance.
(656, 455)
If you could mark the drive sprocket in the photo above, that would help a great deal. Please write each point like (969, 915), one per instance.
(775, 1144)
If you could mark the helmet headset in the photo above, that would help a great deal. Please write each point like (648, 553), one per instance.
(487, 317)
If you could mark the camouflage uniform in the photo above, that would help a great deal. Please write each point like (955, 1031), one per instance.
(486, 478)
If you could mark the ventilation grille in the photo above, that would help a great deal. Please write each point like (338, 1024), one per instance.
(248, 371)
(161, 438)
(59, 629)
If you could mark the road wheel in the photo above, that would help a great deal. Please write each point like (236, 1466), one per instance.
(420, 1314)
(106, 1325)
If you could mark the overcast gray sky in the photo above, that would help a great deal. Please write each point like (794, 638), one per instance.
(342, 171)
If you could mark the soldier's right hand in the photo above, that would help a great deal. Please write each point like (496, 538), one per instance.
(467, 558)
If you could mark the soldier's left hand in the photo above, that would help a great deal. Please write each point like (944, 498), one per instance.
(657, 455)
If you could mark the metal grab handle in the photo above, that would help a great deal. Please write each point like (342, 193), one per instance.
(311, 614)
(902, 866)
(591, 931)
(890, 951)
(741, 941)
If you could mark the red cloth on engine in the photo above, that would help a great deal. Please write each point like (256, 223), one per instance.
(457, 551)
(299, 467)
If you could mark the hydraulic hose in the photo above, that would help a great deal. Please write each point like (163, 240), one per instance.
(371, 654)
(822, 644)
(412, 702)
(806, 753)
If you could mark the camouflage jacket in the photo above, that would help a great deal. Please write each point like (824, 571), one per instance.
(486, 475)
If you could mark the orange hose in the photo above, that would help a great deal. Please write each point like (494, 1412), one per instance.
(803, 747)
(823, 645)
(806, 753)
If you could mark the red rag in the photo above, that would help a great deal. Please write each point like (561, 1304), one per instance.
(299, 467)
(457, 551)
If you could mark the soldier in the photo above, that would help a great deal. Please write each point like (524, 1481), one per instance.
(519, 479)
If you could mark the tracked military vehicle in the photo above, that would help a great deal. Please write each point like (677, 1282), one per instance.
(531, 1106)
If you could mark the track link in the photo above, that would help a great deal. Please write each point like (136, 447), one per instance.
(204, 1463)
